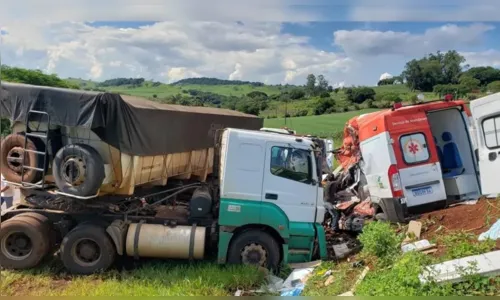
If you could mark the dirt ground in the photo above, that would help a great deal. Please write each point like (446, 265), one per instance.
(473, 219)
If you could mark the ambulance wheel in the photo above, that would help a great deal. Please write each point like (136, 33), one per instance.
(255, 247)
(393, 210)
(24, 242)
(87, 249)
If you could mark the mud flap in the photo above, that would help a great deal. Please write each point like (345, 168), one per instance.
(394, 210)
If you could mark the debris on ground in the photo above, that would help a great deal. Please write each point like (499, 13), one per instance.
(493, 233)
(454, 271)
(310, 264)
(468, 202)
(422, 246)
(414, 231)
(295, 282)
(360, 278)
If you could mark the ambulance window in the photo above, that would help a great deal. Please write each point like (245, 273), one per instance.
(414, 148)
(293, 164)
(491, 130)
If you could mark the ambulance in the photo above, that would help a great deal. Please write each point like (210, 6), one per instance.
(429, 154)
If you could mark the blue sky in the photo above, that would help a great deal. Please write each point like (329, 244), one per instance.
(351, 42)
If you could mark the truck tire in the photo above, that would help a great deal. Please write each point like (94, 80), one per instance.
(13, 146)
(255, 247)
(51, 234)
(87, 249)
(24, 242)
(78, 170)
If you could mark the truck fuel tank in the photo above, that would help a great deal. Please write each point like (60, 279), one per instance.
(161, 241)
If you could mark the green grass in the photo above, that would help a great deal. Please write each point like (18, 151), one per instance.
(324, 125)
(152, 279)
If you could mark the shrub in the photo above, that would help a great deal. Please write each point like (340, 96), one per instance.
(324, 95)
(302, 113)
(330, 110)
(379, 240)
(494, 87)
(471, 97)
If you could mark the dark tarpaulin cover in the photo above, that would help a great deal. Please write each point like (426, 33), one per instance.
(133, 125)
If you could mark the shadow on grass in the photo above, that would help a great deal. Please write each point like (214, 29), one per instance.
(146, 277)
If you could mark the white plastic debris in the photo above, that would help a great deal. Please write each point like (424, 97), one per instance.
(453, 271)
(295, 282)
(418, 246)
(493, 233)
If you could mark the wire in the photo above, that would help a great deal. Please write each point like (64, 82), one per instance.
(163, 199)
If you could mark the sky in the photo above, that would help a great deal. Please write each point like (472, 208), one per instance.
(350, 42)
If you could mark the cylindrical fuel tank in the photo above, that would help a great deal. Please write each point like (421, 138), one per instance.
(162, 241)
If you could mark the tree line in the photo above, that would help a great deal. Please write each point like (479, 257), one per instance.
(448, 73)
(215, 81)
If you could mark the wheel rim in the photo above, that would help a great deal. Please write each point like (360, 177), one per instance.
(86, 252)
(73, 171)
(254, 254)
(14, 159)
(16, 246)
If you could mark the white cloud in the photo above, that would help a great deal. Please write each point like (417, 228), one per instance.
(485, 58)
(155, 10)
(169, 51)
(373, 43)
(385, 76)
(425, 10)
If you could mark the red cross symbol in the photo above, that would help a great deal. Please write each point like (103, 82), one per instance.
(413, 148)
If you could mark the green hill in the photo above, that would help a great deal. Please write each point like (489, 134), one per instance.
(329, 125)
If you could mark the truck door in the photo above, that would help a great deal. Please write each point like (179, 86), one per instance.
(417, 160)
(289, 181)
(486, 115)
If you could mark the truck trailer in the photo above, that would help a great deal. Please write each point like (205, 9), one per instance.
(217, 188)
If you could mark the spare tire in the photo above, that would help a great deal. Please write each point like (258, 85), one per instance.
(13, 147)
(78, 170)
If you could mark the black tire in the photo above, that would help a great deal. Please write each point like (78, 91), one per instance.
(44, 221)
(393, 210)
(381, 217)
(13, 146)
(98, 255)
(252, 242)
(78, 170)
(24, 242)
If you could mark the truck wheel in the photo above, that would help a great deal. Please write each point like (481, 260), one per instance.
(78, 170)
(87, 249)
(12, 149)
(45, 222)
(255, 247)
(24, 241)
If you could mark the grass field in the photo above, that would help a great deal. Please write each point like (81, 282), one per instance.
(154, 278)
(324, 125)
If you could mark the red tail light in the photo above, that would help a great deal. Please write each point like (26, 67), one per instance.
(395, 181)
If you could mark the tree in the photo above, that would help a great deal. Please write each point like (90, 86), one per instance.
(257, 94)
(494, 86)
(311, 84)
(360, 94)
(470, 82)
(433, 69)
(297, 93)
(323, 105)
(322, 84)
(485, 75)
(386, 81)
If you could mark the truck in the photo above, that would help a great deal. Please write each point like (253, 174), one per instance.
(166, 181)
(421, 157)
